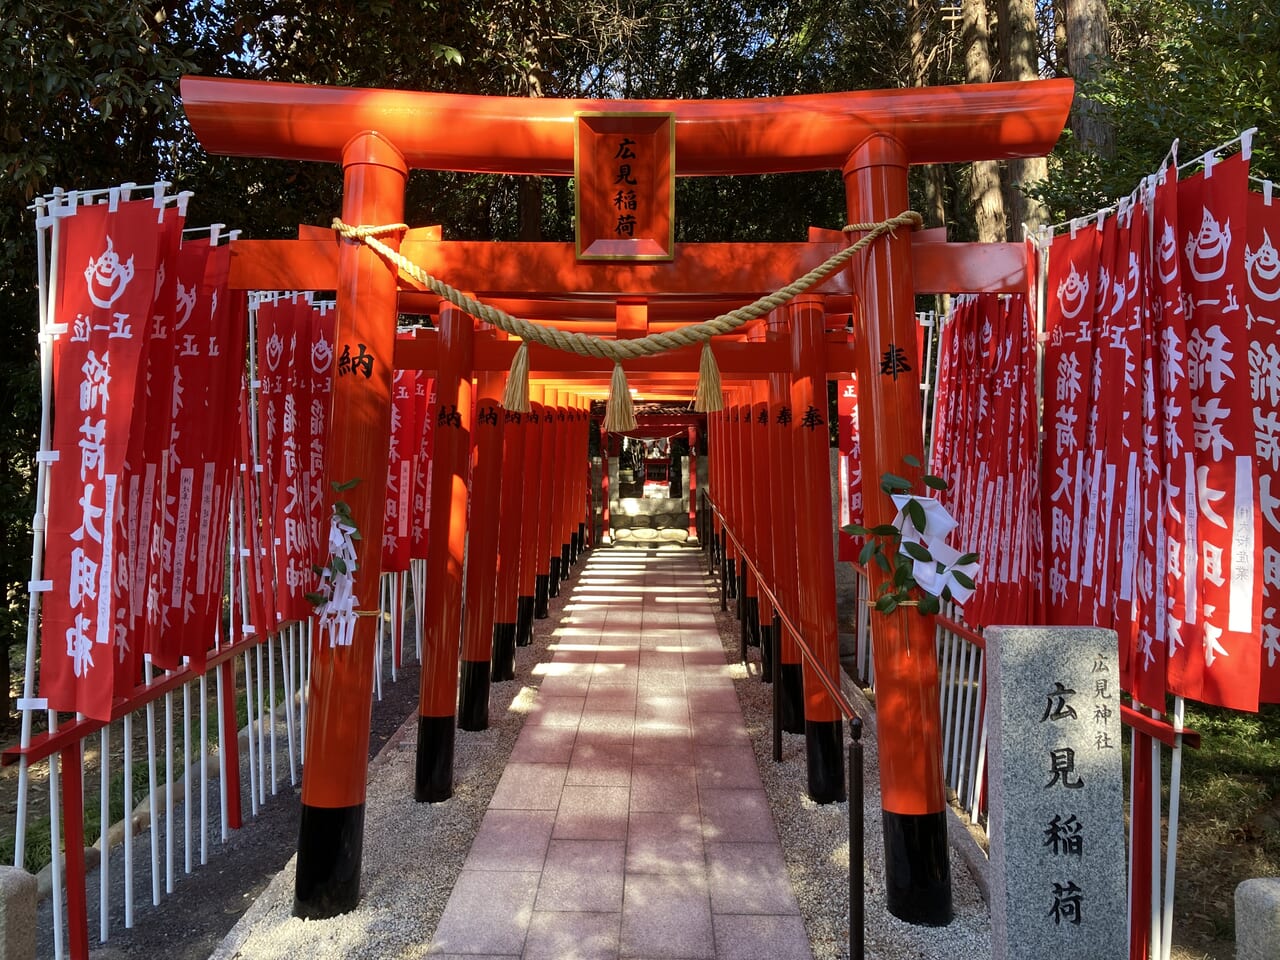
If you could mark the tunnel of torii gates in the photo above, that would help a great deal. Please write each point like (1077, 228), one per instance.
(783, 360)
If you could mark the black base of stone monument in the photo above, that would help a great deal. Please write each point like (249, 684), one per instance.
(917, 871)
(566, 559)
(582, 539)
(330, 845)
(524, 621)
(553, 578)
(473, 697)
(791, 678)
(766, 654)
(753, 621)
(541, 584)
(504, 652)
(824, 752)
(433, 775)
(731, 578)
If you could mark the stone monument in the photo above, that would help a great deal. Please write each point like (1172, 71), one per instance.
(1057, 801)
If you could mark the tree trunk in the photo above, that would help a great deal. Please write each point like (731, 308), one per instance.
(935, 208)
(1087, 24)
(1019, 55)
(530, 206)
(988, 203)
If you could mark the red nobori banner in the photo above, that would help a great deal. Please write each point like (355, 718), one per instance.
(320, 375)
(1069, 317)
(106, 281)
(208, 362)
(397, 512)
(284, 404)
(850, 471)
(1215, 657)
(425, 403)
(1262, 314)
(984, 443)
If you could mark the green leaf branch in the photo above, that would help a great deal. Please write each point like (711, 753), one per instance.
(897, 557)
(336, 565)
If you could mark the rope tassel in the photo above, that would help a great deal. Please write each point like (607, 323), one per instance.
(707, 398)
(619, 414)
(516, 396)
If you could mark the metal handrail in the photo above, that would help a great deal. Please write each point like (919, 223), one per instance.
(832, 689)
(856, 788)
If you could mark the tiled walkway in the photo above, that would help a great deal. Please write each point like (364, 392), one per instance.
(630, 821)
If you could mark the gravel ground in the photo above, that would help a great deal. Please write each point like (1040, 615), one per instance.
(414, 852)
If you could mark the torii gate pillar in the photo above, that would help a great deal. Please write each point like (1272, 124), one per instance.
(331, 833)
(913, 798)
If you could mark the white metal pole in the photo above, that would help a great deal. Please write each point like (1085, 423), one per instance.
(104, 831)
(152, 793)
(204, 769)
(1171, 855)
(55, 840)
(186, 774)
(128, 821)
(168, 792)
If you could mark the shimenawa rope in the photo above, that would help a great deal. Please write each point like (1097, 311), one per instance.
(618, 412)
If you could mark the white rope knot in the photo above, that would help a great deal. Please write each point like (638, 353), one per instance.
(352, 232)
(707, 397)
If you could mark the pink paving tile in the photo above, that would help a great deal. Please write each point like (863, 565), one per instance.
(573, 936)
(661, 679)
(529, 786)
(603, 674)
(657, 743)
(582, 875)
(720, 767)
(554, 711)
(725, 729)
(666, 916)
(761, 938)
(702, 700)
(565, 685)
(749, 878)
(487, 913)
(611, 697)
(604, 726)
(737, 815)
(592, 813)
(572, 651)
(704, 657)
(511, 840)
(664, 788)
(673, 705)
(665, 843)
(600, 764)
(543, 745)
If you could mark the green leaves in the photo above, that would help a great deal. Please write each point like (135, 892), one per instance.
(892, 483)
(915, 513)
(916, 551)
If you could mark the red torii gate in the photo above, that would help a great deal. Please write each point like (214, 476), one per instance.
(871, 137)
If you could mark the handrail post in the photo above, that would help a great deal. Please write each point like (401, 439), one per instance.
(724, 572)
(776, 640)
(857, 865)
